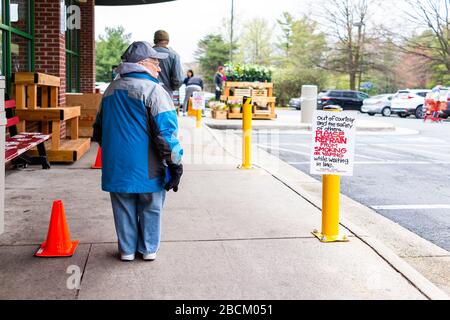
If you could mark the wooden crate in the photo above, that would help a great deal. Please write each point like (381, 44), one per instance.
(219, 114)
(259, 92)
(262, 99)
(89, 104)
(68, 151)
(242, 92)
(36, 96)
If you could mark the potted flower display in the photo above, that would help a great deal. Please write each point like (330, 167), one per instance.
(218, 109)
(235, 106)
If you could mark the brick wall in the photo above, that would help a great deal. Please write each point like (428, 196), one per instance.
(87, 47)
(50, 45)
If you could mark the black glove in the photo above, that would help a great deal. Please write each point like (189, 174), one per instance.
(176, 171)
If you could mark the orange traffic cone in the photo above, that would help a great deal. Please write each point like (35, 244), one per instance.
(98, 160)
(58, 243)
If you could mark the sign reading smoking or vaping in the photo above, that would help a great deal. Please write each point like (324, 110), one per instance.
(333, 143)
(198, 100)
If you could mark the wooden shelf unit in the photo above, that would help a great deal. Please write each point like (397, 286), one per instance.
(261, 93)
(36, 96)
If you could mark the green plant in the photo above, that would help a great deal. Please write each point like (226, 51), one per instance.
(248, 72)
(217, 105)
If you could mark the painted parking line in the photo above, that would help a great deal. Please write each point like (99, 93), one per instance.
(308, 154)
(385, 162)
(419, 151)
(379, 162)
(285, 150)
(412, 207)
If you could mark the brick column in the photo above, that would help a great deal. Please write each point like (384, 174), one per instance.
(50, 44)
(87, 47)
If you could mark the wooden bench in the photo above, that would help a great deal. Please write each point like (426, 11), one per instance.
(19, 143)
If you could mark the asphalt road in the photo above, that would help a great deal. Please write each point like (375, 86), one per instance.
(405, 178)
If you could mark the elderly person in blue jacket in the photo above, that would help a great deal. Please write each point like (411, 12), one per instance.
(136, 128)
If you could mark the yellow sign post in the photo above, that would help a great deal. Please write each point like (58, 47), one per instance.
(198, 122)
(330, 204)
(246, 134)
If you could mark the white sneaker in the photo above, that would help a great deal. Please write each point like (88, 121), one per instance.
(149, 257)
(127, 257)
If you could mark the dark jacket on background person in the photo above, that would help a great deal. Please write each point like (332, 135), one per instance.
(218, 81)
(171, 74)
(195, 81)
(136, 127)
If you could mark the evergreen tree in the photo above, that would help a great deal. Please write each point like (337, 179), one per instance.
(109, 48)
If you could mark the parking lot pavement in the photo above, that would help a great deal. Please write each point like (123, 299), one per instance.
(227, 234)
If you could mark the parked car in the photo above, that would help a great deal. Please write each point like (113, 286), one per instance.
(378, 104)
(409, 102)
(347, 99)
(295, 103)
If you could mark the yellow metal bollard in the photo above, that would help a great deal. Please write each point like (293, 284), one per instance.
(198, 122)
(330, 204)
(246, 134)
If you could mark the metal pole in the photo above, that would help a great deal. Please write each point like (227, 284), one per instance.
(246, 134)
(198, 122)
(330, 204)
(231, 31)
(2, 153)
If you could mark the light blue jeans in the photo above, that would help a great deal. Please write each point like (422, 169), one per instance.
(137, 217)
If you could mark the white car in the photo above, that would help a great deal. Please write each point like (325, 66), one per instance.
(378, 104)
(101, 86)
(409, 101)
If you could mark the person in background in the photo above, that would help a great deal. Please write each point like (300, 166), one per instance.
(189, 74)
(137, 128)
(218, 81)
(171, 74)
(194, 84)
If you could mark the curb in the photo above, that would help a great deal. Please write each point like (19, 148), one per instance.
(422, 284)
(305, 127)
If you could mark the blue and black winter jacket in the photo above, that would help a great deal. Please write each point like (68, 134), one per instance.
(137, 129)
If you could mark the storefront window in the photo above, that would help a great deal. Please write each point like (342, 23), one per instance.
(1, 11)
(72, 57)
(16, 37)
(18, 14)
(20, 53)
(1, 54)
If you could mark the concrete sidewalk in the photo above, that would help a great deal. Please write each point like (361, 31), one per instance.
(227, 234)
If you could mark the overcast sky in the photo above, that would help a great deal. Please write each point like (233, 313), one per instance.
(187, 21)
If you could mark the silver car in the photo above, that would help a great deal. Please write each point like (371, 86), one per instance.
(378, 104)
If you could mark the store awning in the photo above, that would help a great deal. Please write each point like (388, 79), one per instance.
(127, 2)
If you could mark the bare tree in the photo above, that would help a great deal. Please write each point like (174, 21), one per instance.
(432, 18)
(256, 42)
(349, 20)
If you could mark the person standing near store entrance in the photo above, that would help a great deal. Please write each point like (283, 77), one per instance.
(218, 81)
(171, 74)
(194, 84)
(137, 129)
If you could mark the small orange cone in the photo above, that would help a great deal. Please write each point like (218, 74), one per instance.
(58, 243)
(98, 160)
